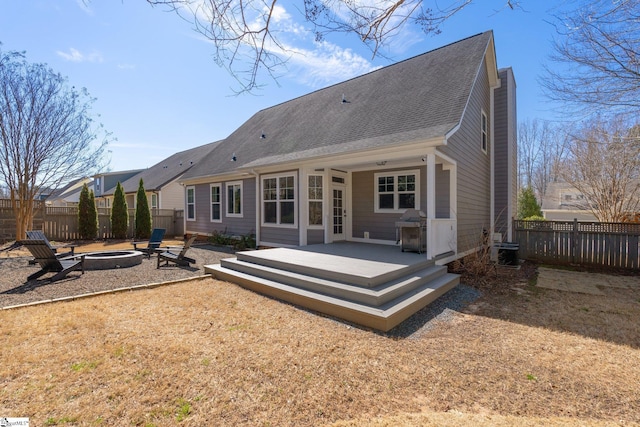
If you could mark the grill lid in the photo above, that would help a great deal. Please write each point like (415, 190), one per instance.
(412, 215)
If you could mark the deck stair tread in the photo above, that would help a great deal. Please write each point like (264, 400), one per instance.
(383, 317)
(376, 296)
(350, 269)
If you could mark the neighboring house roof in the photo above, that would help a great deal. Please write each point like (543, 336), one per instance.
(69, 193)
(413, 100)
(112, 173)
(162, 173)
(72, 186)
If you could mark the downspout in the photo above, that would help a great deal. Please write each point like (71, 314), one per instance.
(257, 201)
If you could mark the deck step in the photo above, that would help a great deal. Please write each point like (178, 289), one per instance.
(336, 298)
(369, 273)
(374, 297)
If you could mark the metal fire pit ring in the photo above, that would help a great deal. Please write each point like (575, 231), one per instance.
(106, 260)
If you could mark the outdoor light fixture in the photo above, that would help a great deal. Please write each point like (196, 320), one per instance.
(234, 158)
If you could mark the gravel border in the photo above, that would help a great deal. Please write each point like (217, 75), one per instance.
(441, 310)
(14, 291)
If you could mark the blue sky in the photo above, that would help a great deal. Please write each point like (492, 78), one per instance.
(159, 90)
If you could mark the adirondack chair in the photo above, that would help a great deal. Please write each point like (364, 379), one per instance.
(39, 235)
(48, 261)
(179, 258)
(153, 244)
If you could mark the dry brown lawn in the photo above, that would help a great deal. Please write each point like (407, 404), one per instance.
(209, 353)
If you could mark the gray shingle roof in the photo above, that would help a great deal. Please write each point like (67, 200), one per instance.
(162, 173)
(419, 98)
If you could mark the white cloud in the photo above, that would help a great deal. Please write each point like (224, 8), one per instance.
(74, 55)
(328, 63)
(312, 63)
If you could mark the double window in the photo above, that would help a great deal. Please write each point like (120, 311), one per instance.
(279, 200)
(397, 191)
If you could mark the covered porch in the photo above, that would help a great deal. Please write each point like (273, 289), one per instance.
(363, 199)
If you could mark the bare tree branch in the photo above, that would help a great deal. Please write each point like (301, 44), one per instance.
(604, 165)
(248, 42)
(46, 131)
(597, 54)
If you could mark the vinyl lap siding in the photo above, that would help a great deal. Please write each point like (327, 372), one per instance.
(233, 226)
(501, 152)
(473, 167)
(280, 236)
(171, 196)
(315, 237)
(506, 153)
(381, 226)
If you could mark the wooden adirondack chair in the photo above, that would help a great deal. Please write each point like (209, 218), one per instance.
(154, 242)
(179, 258)
(48, 261)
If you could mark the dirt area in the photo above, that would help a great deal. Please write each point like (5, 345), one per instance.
(207, 352)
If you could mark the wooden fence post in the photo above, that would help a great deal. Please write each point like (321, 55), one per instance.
(574, 242)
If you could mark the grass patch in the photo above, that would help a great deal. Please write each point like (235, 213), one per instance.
(83, 366)
(251, 360)
(183, 410)
(51, 421)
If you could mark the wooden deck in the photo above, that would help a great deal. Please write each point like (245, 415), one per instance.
(377, 286)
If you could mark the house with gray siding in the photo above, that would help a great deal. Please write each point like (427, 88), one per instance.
(436, 133)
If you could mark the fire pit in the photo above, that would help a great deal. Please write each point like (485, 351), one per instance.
(110, 259)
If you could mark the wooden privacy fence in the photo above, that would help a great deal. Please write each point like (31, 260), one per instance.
(603, 244)
(61, 223)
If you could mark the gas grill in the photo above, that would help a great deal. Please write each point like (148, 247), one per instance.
(411, 229)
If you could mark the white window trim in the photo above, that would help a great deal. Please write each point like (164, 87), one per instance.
(154, 196)
(322, 182)
(219, 185)
(186, 202)
(277, 201)
(395, 174)
(484, 133)
(226, 195)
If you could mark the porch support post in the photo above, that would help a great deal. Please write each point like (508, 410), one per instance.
(431, 200)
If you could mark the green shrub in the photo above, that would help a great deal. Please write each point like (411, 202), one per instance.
(87, 214)
(143, 214)
(119, 214)
(535, 218)
(527, 204)
(248, 241)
